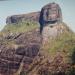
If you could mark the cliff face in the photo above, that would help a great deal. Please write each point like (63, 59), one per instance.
(50, 13)
(24, 51)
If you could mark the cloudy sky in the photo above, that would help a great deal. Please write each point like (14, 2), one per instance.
(12, 7)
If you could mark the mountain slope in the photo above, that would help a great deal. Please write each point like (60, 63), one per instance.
(58, 53)
(29, 52)
(26, 49)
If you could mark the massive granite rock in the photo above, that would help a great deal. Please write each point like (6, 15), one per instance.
(24, 17)
(30, 53)
(50, 14)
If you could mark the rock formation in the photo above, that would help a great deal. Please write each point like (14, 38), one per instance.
(29, 53)
(50, 14)
(22, 51)
(24, 17)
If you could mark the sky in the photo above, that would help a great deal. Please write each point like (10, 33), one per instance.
(15, 7)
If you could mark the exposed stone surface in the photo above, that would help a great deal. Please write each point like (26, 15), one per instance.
(26, 48)
(27, 53)
(50, 14)
(24, 17)
(51, 31)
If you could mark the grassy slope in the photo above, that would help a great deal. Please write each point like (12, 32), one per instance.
(20, 27)
(65, 43)
(15, 29)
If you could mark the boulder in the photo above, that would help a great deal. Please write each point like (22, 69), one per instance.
(50, 14)
(34, 16)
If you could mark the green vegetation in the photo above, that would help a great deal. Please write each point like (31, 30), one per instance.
(14, 29)
(60, 42)
(63, 44)
(72, 71)
(20, 27)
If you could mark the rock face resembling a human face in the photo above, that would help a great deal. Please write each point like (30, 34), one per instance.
(50, 13)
